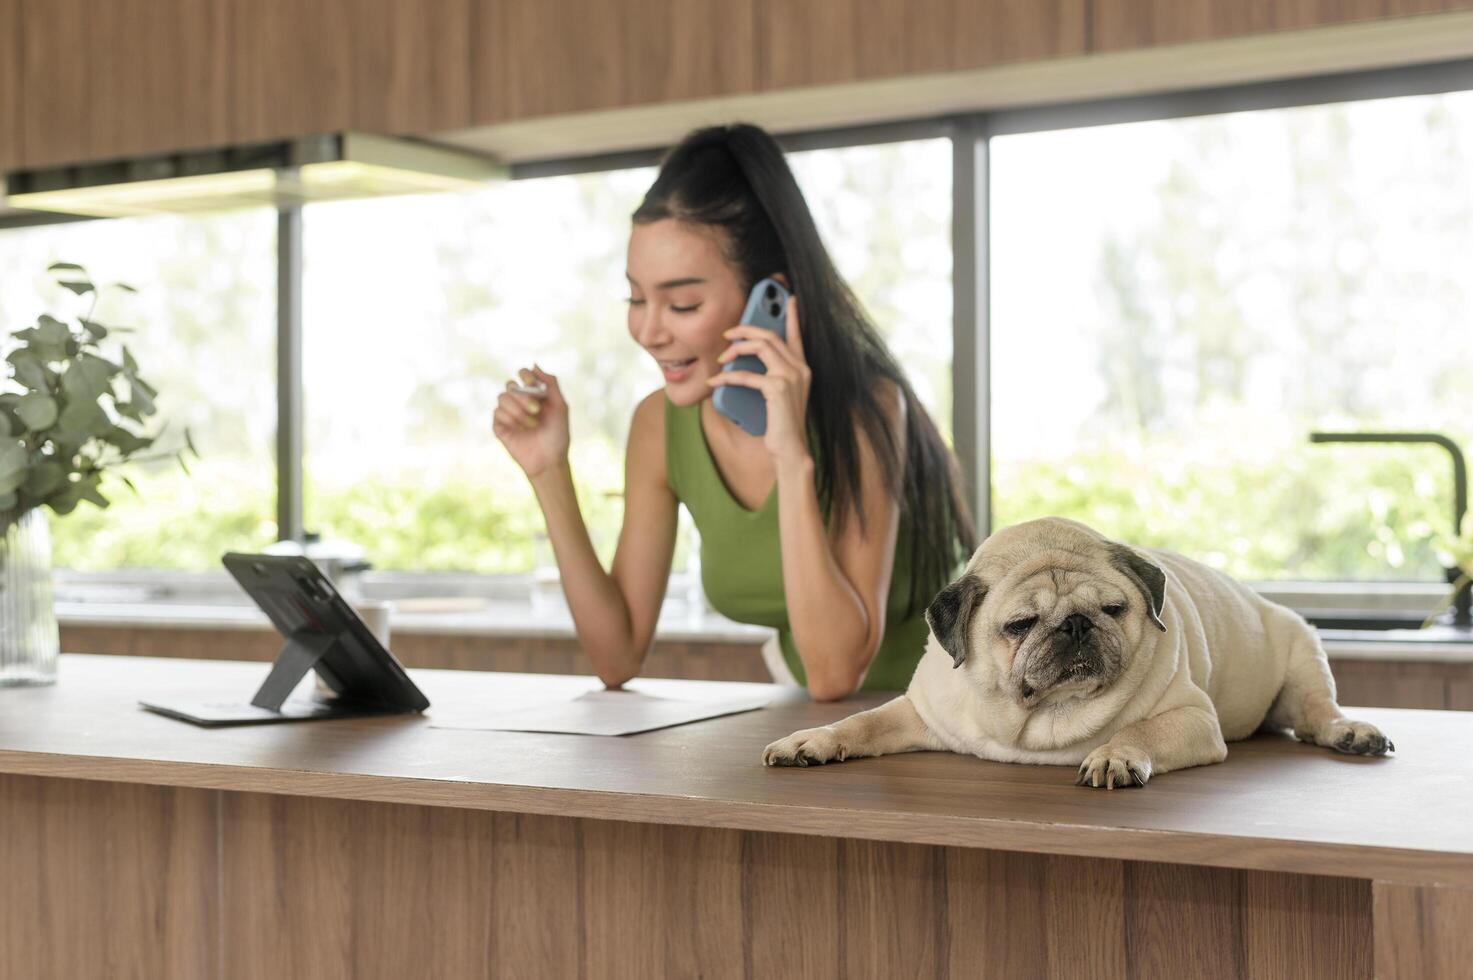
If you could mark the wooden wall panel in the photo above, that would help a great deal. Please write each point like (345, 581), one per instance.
(309, 66)
(817, 42)
(128, 77)
(107, 880)
(11, 151)
(1120, 24)
(544, 57)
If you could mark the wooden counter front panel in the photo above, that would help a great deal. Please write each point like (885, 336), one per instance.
(552, 896)
(110, 879)
(107, 880)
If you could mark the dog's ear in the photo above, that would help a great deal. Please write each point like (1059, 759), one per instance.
(1146, 575)
(950, 615)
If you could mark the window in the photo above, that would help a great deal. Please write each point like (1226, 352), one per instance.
(1178, 304)
(418, 309)
(204, 317)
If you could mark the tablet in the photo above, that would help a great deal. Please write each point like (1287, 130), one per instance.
(322, 632)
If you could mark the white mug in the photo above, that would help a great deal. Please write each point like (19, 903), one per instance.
(375, 614)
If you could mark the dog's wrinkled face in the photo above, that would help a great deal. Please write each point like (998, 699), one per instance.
(1057, 610)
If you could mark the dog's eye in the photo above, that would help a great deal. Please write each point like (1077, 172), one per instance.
(1018, 627)
(1116, 609)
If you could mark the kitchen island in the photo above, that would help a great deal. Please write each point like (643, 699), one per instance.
(133, 844)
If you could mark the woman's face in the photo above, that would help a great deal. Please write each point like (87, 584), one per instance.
(683, 295)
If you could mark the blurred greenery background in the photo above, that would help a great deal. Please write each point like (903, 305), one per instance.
(1167, 330)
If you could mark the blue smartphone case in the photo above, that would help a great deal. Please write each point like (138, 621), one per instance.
(767, 306)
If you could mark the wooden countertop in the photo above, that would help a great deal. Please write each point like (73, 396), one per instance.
(1274, 805)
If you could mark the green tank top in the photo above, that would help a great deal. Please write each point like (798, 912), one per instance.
(741, 558)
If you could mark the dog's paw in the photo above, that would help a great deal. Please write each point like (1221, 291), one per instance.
(1110, 766)
(812, 746)
(1351, 737)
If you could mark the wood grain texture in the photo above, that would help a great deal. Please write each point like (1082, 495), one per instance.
(691, 660)
(1422, 933)
(1119, 24)
(1230, 815)
(12, 151)
(610, 899)
(310, 66)
(1393, 683)
(819, 42)
(107, 879)
(129, 77)
(544, 57)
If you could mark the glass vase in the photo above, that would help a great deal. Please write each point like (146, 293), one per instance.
(29, 640)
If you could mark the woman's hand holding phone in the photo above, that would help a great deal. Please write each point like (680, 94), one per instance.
(784, 387)
(531, 421)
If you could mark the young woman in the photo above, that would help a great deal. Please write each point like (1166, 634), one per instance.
(837, 526)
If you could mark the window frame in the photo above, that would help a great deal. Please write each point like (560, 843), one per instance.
(970, 134)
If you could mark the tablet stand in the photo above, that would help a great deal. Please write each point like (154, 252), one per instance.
(299, 656)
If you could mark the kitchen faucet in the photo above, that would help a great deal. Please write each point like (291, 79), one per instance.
(1463, 601)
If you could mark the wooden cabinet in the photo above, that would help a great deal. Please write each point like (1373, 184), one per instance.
(818, 42)
(1121, 24)
(544, 57)
(307, 66)
(10, 92)
(125, 77)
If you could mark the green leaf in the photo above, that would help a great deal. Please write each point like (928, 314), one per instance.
(45, 478)
(80, 287)
(124, 287)
(47, 340)
(83, 418)
(126, 442)
(29, 370)
(87, 377)
(127, 410)
(94, 329)
(37, 410)
(128, 483)
(142, 400)
(130, 366)
(65, 267)
(90, 492)
(148, 389)
(14, 464)
(66, 501)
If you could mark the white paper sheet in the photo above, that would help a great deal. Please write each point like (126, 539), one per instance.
(600, 713)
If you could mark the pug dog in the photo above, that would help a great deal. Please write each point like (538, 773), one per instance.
(1062, 647)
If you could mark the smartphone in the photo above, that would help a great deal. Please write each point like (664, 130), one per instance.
(767, 307)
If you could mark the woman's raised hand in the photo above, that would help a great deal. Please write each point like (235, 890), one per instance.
(784, 387)
(533, 428)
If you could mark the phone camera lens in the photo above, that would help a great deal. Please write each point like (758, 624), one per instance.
(775, 309)
(771, 291)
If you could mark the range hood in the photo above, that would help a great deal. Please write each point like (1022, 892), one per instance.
(325, 167)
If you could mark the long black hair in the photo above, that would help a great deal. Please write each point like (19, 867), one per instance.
(736, 178)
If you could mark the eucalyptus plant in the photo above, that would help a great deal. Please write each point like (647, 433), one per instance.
(69, 414)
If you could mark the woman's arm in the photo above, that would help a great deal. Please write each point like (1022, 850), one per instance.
(613, 614)
(835, 589)
(837, 586)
